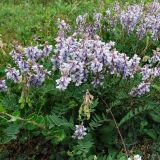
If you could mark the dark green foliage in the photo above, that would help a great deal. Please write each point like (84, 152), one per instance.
(43, 127)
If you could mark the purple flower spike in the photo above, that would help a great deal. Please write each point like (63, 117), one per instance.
(142, 88)
(13, 74)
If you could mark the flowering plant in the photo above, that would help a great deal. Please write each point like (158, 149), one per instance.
(85, 96)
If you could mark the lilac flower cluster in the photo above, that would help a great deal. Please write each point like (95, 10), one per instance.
(149, 72)
(3, 86)
(80, 132)
(142, 88)
(97, 20)
(144, 19)
(77, 58)
(81, 22)
(150, 22)
(84, 27)
(111, 18)
(28, 70)
(87, 57)
(130, 17)
(63, 27)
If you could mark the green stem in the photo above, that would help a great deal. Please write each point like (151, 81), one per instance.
(21, 119)
(118, 130)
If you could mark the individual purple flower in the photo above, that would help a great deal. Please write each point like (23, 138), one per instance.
(156, 72)
(3, 86)
(146, 72)
(135, 61)
(23, 65)
(63, 28)
(37, 75)
(98, 80)
(17, 54)
(96, 66)
(36, 80)
(81, 22)
(78, 78)
(63, 82)
(97, 20)
(156, 57)
(33, 53)
(77, 72)
(62, 25)
(13, 74)
(133, 65)
(38, 69)
(46, 50)
(141, 89)
(141, 31)
(116, 7)
(80, 132)
(108, 12)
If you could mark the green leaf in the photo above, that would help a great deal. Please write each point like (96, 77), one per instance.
(22, 102)
(151, 133)
(2, 109)
(137, 111)
(10, 133)
(155, 116)
(156, 87)
(121, 156)
(54, 120)
(16, 113)
(58, 136)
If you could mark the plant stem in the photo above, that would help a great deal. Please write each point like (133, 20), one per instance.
(146, 47)
(118, 130)
(21, 119)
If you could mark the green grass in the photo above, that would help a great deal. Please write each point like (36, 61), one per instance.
(20, 20)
